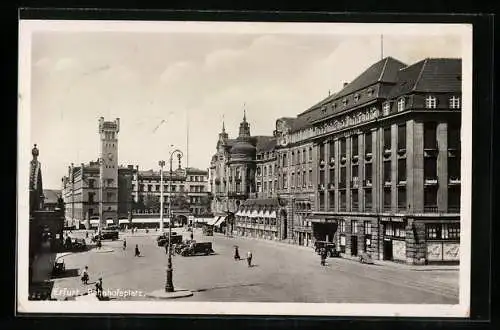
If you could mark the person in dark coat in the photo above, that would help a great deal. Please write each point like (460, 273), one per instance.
(137, 252)
(98, 288)
(323, 256)
(85, 275)
(124, 244)
(236, 254)
(249, 258)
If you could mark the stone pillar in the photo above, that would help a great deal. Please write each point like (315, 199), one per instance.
(394, 167)
(415, 242)
(347, 236)
(376, 169)
(442, 167)
(361, 171)
(417, 172)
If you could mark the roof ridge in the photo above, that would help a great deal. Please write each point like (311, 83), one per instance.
(419, 75)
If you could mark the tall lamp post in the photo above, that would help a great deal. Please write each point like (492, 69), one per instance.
(161, 163)
(169, 285)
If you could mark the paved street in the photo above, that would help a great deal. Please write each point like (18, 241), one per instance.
(282, 273)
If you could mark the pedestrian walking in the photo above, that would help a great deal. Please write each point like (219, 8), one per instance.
(323, 257)
(99, 244)
(98, 288)
(137, 252)
(86, 234)
(249, 258)
(236, 254)
(85, 275)
(192, 236)
(124, 244)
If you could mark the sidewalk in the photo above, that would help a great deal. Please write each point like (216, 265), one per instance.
(398, 265)
(268, 241)
(43, 264)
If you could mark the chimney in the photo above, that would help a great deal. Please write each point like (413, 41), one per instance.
(345, 83)
(117, 121)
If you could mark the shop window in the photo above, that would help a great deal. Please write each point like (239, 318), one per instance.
(443, 231)
(354, 227)
(394, 230)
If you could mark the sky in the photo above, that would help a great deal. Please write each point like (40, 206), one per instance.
(184, 78)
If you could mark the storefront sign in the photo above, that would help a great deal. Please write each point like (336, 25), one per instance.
(342, 240)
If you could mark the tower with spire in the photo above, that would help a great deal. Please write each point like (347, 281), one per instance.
(244, 126)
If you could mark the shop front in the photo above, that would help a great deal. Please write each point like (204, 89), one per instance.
(394, 239)
(443, 242)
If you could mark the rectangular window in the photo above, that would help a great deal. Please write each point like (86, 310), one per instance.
(331, 199)
(401, 198)
(322, 177)
(387, 199)
(368, 199)
(342, 226)
(454, 199)
(454, 168)
(354, 227)
(430, 199)
(285, 183)
(310, 154)
(368, 227)
(387, 172)
(150, 187)
(321, 147)
(157, 187)
(304, 180)
(284, 160)
(355, 145)
(387, 138)
(91, 197)
(310, 177)
(402, 137)
(354, 200)
(454, 102)
(453, 136)
(368, 143)
(368, 172)
(443, 231)
(91, 183)
(355, 174)
(430, 168)
(430, 135)
(343, 201)
(322, 201)
(332, 175)
(343, 179)
(141, 187)
(402, 170)
(343, 148)
(332, 149)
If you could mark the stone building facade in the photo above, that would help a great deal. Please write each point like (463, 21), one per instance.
(374, 168)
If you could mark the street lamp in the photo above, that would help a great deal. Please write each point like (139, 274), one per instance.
(101, 193)
(161, 163)
(169, 285)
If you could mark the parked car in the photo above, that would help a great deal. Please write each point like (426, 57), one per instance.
(366, 258)
(194, 248)
(107, 233)
(330, 247)
(208, 231)
(58, 268)
(78, 244)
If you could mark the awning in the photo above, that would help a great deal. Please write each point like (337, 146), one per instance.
(149, 220)
(266, 214)
(212, 221)
(219, 221)
(260, 214)
(123, 221)
(94, 222)
(317, 218)
(254, 214)
(272, 214)
(238, 214)
(109, 221)
(202, 220)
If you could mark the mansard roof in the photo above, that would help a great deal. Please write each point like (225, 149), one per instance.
(436, 75)
(265, 143)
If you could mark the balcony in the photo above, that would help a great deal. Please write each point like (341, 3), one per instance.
(430, 181)
(331, 186)
(454, 181)
(367, 183)
(430, 150)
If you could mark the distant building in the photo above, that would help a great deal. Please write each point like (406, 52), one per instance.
(51, 199)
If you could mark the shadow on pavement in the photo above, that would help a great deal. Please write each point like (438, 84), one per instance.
(67, 273)
(225, 287)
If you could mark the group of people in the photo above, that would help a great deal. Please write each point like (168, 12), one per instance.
(137, 252)
(237, 256)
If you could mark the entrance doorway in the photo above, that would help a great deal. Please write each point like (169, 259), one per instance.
(387, 250)
(354, 245)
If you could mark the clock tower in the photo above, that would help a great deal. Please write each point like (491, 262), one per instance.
(108, 166)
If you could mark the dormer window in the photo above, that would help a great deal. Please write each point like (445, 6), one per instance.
(454, 102)
(386, 108)
(335, 105)
(344, 102)
(430, 102)
(356, 97)
(401, 104)
(370, 92)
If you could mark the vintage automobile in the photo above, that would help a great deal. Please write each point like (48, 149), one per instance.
(330, 247)
(78, 244)
(194, 248)
(107, 233)
(59, 267)
(366, 258)
(162, 240)
(208, 231)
